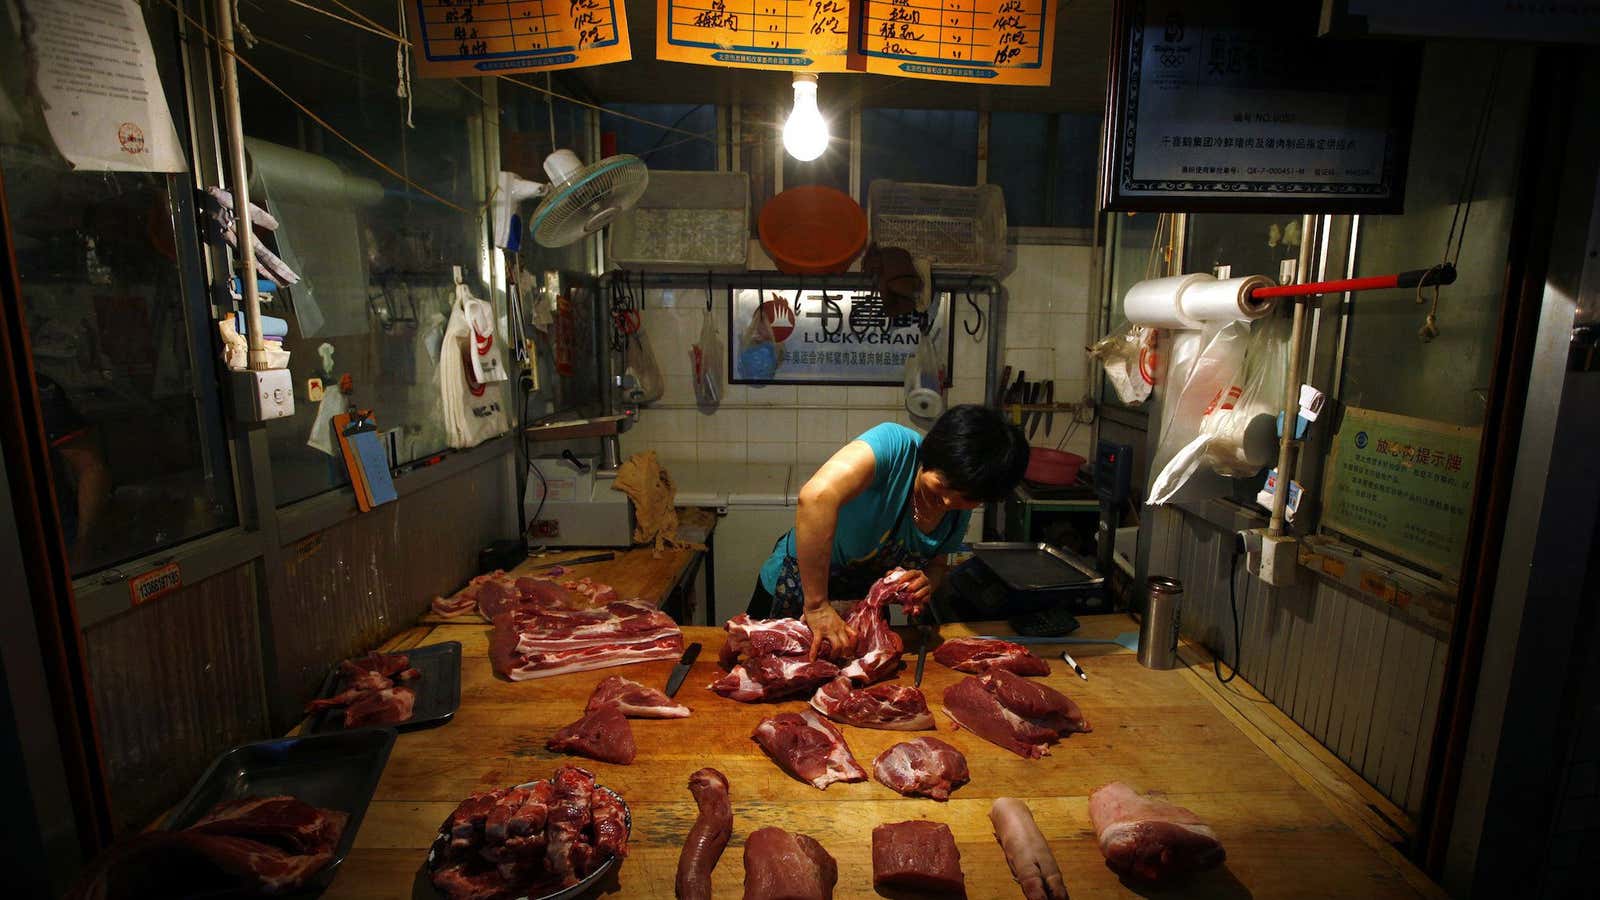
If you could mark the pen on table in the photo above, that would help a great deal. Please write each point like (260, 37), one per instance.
(1067, 657)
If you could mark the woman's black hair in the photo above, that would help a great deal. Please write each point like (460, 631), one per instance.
(977, 450)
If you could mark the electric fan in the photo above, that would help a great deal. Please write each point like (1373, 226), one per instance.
(578, 201)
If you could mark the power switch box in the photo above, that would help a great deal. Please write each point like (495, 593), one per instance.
(263, 394)
(1272, 559)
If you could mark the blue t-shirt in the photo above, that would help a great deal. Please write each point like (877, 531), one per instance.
(880, 516)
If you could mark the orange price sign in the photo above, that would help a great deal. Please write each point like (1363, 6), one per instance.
(459, 38)
(987, 41)
(795, 35)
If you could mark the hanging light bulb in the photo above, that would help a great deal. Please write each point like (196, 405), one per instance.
(805, 135)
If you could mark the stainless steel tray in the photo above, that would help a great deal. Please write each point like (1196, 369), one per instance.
(1036, 567)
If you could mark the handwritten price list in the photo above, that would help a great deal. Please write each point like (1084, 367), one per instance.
(995, 41)
(453, 38)
(807, 35)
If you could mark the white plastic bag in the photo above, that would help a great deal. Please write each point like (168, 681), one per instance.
(1201, 377)
(1128, 355)
(705, 357)
(474, 411)
(1241, 382)
(641, 378)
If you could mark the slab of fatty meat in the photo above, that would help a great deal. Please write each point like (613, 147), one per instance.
(924, 767)
(890, 707)
(536, 643)
(979, 655)
(808, 747)
(1151, 840)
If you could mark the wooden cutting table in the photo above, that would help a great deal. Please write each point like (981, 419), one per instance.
(1291, 825)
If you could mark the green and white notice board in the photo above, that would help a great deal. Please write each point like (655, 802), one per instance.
(1403, 486)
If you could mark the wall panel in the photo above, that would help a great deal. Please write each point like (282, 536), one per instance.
(175, 682)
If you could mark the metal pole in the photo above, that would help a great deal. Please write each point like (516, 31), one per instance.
(1291, 387)
(240, 185)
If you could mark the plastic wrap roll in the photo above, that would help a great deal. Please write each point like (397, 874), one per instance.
(1157, 302)
(1224, 301)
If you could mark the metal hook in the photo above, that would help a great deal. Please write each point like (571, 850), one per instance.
(708, 290)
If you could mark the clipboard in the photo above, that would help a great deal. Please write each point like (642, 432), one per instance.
(364, 458)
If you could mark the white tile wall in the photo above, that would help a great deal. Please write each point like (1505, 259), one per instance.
(1045, 325)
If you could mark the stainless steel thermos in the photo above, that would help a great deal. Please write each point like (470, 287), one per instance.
(1158, 631)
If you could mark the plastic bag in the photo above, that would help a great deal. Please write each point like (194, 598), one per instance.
(641, 378)
(1225, 408)
(706, 359)
(1129, 357)
(473, 411)
(760, 354)
(1202, 375)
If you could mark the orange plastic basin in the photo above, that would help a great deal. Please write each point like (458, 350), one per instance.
(812, 230)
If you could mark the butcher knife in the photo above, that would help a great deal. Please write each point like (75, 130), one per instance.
(681, 670)
(925, 632)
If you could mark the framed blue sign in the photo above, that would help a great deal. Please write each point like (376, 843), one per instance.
(802, 336)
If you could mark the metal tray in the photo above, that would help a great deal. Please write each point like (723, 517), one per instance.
(333, 771)
(422, 886)
(438, 691)
(1036, 567)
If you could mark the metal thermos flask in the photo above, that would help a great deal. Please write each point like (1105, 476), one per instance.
(1158, 631)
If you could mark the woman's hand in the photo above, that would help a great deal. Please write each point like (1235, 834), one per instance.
(826, 625)
(918, 591)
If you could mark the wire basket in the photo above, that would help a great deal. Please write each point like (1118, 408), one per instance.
(958, 229)
(687, 221)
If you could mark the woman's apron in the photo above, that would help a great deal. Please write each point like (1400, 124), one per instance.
(852, 580)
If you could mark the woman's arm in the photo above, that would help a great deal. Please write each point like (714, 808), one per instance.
(840, 480)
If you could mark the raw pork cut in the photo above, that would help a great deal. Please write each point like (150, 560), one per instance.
(498, 592)
(808, 747)
(534, 643)
(634, 700)
(783, 866)
(1032, 864)
(878, 649)
(708, 837)
(243, 847)
(528, 840)
(984, 707)
(773, 678)
(748, 638)
(924, 767)
(890, 707)
(978, 655)
(371, 691)
(455, 605)
(1148, 839)
(602, 734)
(919, 855)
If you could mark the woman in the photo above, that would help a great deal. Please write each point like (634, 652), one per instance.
(890, 498)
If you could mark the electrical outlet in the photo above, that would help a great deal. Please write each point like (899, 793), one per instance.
(1272, 559)
(546, 528)
(259, 395)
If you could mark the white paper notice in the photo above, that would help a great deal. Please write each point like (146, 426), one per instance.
(102, 94)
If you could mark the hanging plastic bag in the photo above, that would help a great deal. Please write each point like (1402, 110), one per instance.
(641, 377)
(474, 411)
(1129, 358)
(760, 354)
(1233, 432)
(1202, 377)
(706, 359)
(1242, 420)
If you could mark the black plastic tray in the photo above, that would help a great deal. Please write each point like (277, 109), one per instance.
(332, 771)
(1035, 567)
(438, 691)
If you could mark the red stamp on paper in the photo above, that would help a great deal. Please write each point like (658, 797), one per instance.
(131, 138)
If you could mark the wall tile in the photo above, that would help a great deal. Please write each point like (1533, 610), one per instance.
(720, 454)
(834, 397)
(858, 420)
(1030, 330)
(670, 424)
(819, 425)
(772, 426)
(671, 451)
(971, 355)
(1035, 363)
(872, 397)
(726, 426)
(772, 394)
(679, 389)
(967, 390)
(815, 453)
(1072, 334)
(780, 454)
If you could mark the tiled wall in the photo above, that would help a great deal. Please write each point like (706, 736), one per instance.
(1045, 329)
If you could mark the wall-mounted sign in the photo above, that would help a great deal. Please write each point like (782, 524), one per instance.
(458, 38)
(154, 584)
(1577, 23)
(1239, 107)
(985, 41)
(818, 337)
(802, 35)
(1403, 486)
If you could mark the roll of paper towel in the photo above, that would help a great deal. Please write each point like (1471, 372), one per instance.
(1225, 300)
(1157, 302)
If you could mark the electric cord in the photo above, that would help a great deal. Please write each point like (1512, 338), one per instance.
(1233, 605)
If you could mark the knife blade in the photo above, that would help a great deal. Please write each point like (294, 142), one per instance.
(922, 655)
(681, 670)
